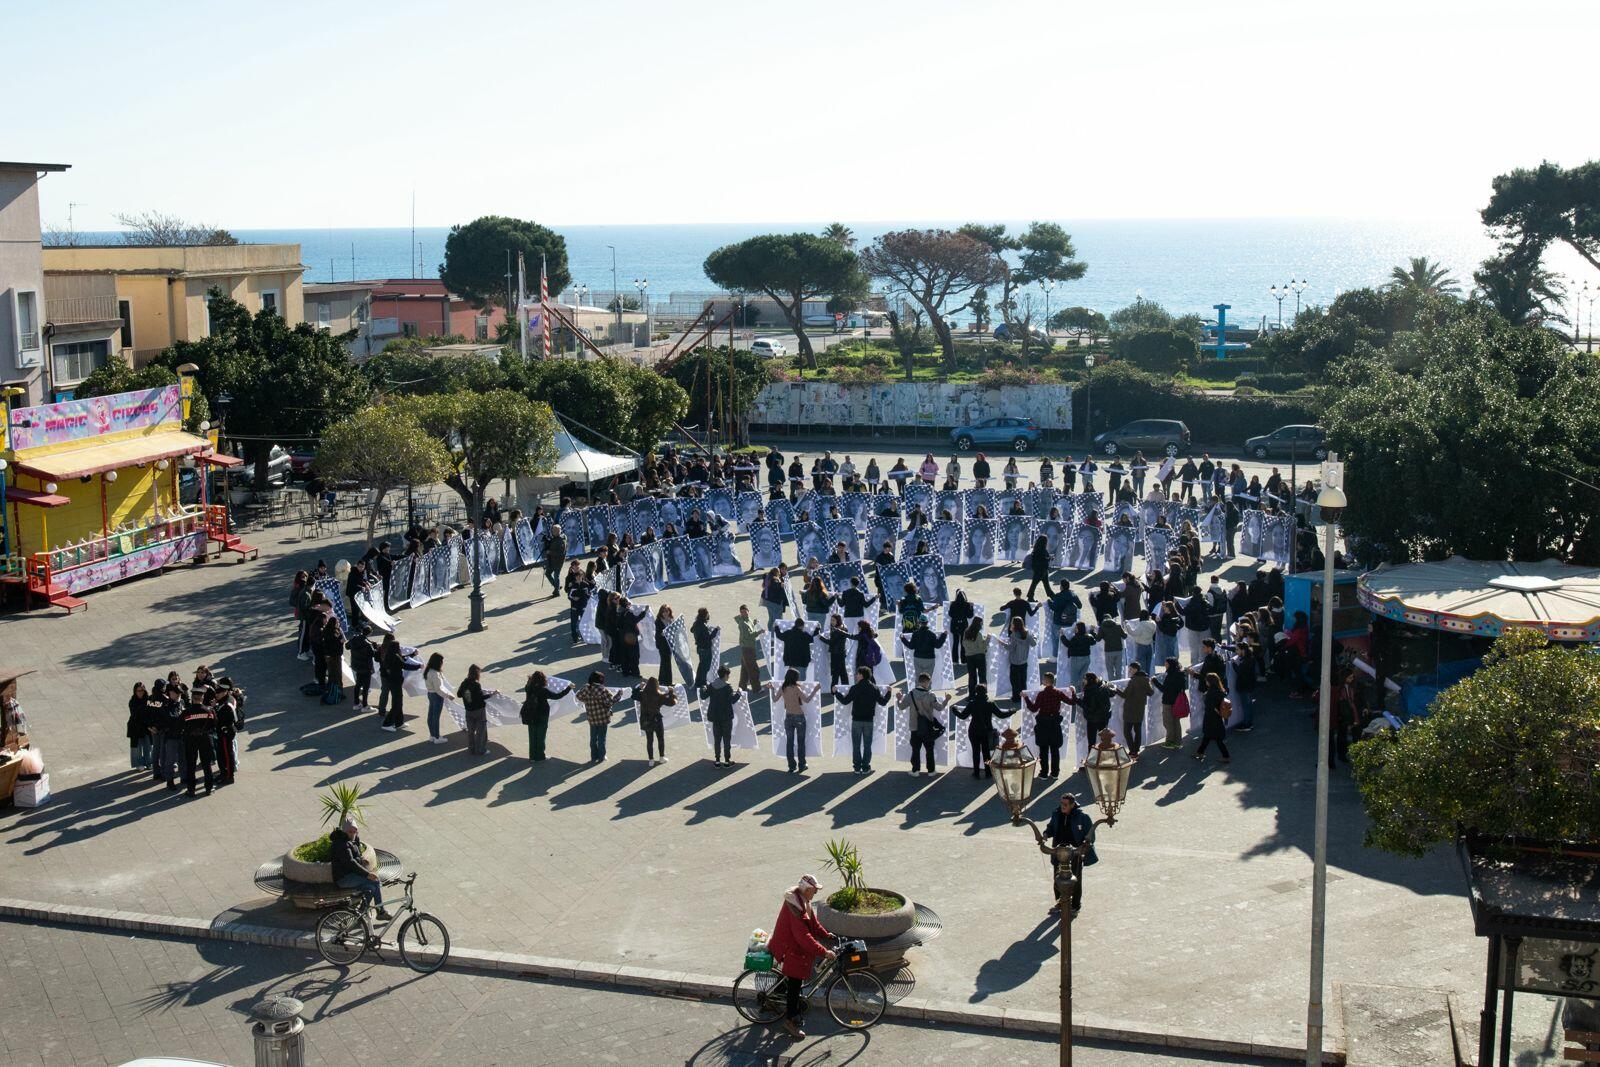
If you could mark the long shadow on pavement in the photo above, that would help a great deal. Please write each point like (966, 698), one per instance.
(739, 796)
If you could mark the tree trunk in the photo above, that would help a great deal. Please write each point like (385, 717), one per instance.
(947, 341)
(258, 452)
(372, 519)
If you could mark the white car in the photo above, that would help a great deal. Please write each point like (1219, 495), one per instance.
(767, 348)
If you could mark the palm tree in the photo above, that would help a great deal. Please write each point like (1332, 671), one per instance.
(1516, 284)
(838, 231)
(1425, 276)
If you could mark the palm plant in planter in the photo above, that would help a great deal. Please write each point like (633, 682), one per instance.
(311, 861)
(855, 910)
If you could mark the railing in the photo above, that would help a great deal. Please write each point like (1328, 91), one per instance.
(175, 523)
(81, 309)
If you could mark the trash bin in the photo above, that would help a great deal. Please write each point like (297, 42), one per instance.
(279, 1032)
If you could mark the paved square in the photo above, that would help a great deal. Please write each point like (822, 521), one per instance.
(1196, 919)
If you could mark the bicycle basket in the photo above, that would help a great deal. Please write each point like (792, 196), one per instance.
(758, 961)
(853, 956)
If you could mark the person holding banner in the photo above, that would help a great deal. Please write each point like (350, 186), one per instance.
(980, 714)
(536, 713)
(864, 698)
(651, 698)
(476, 701)
(720, 700)
(1048, 731)
(793, 696)
(391, 679)
(956, 619)
(705, 636)
(1174, 686)
(1018, 643)
(749, 634)
(438, 688)
(925, 727)
(597, 703)
(1136, 693)
(975, 651)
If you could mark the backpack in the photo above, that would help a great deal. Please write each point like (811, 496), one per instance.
(871, 654)
(1180, 707)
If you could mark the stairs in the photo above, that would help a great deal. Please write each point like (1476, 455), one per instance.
(54, 595)
(227, 542)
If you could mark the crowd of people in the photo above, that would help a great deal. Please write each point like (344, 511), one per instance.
(189, 730)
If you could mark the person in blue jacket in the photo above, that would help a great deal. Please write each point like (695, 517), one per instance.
(1071, 825)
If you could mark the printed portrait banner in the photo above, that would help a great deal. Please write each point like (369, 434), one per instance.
(748, 507)
(597, 524)
(782, 513)
(980, 498)
(926, 571)
(810, 706)
(1006, 502)
(808, 543)
(1016, 537)
(646, 514)
(1119, 542)
(961, 730)
(920, 494)
(1212, 527)
(1250, 527)
(979, 541)
(670, 512)
(766, 545)
(646, 572)
(842, 722)
(856, 507)
(953, 502)
(947, 542)
(835, 531)
(680, 560)
(401, 576)
(720, 501)
(836, 576)
(334, 591)
(881, 529)
(370, 603)
(1277, 538)
(1054, 532)
(575, 527)
(714, 553)
(906, 720)
(1084, 553)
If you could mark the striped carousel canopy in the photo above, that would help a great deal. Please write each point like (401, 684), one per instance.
(1481, 599)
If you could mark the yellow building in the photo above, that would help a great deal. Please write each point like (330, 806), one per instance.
(162, 292)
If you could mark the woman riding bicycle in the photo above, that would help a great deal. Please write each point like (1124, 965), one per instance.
(796, 945)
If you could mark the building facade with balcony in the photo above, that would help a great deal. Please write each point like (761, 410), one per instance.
(84, 328)
(22, 294)
(344, 307)
(422, 307)
(163, 291)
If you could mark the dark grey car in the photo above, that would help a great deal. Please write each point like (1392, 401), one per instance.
(1295, 442)
(1167, 437)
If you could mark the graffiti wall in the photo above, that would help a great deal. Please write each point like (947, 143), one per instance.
(929, 405)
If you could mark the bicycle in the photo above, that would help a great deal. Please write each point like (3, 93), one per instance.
(855, 996)
(345, 934)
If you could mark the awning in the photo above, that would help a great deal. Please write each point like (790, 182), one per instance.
(110, 455)
(221, 459)
(38, 500)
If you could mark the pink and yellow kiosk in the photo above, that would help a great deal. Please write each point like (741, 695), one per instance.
(93, 492)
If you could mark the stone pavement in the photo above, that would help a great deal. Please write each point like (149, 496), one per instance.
(1195, 920)
(84, 998)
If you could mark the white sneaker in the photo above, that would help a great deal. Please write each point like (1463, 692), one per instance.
(390, 729)
(303, 656)
(437, 740)
(663, 759)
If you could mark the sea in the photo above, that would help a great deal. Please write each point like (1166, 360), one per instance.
(1186, 265)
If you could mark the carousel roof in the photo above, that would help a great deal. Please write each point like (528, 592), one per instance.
(1481, 599)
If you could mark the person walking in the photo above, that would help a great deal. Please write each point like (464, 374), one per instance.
(555, 554)
(651, 698)
(749, 635)
(391, 677)
(476, 701)
(597, 702)
(438, 688)
(720, 700)
(796, 944)
(925, 725)
(1214, 727)
(864, 698)
(536, 713)
(1039, 567)
(980, 715)
(1071, 826)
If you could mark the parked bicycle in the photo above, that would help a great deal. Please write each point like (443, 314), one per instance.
(345, 934)
(856, 997)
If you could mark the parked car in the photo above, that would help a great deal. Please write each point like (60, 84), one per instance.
(767, 348)
(1021, 435)
(1003, 333)
(1168, 437)
(278, 467)
(300, 462)
(1301, 442)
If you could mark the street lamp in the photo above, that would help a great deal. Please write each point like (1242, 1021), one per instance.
(1278, 294)
(1088, 400)
(642, 284)
(1013, 768)
(1331, 502)
(1577, 325)
(616, 293)
(1048, 285)
(1298, 287)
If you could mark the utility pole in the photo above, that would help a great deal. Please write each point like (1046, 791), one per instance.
(616, 294)
(1332, 492)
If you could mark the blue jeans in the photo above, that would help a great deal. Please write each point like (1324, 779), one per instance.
(861, 745)
(794, 733)
(1247, 707)
(597, 741)
(435, 709)
(1141, 656)
(371, 891)
(1077, 667)
(142, 751)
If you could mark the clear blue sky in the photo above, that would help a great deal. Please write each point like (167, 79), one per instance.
(326, 114)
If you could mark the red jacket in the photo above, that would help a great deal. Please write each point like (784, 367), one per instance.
(796, 939)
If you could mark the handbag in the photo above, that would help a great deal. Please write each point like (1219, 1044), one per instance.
(1180, 707)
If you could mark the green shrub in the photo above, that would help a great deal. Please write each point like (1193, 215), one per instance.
(1160, 350)
(1123, 393)
(318, 851)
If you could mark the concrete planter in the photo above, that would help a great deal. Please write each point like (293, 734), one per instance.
(316, 873)
(848, 924)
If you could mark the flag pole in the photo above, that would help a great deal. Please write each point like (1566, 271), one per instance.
(522, 300)
(544, 303)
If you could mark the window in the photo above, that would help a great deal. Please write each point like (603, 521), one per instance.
(76, 360)
(269, 301)
(483, 327)
(27, 321)
(324, 314)
(211, 324)
(408, 329)
(125, 313)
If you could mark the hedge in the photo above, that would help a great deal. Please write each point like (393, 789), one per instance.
(1276, 383)
(1210, 369)
(1122, 394)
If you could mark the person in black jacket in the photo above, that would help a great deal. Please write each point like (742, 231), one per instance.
(705, 635)
(853, 600)
(361, 665)
(796, 642)
(536, 713)
(391, 675)
(199, 729)
(1214, 727)
(1172, 684)
(352, 870)
(720, 699)
(924, 645)
(1071, 825)
(956, 620)
(475, 698)
(168, 719)
(1096, 703)
(864, 699)
(141, 727)
(838, 642)
(1017, 607)
(1039, 566)
(981, 713)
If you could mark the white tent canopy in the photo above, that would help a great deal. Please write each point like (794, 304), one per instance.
(575, 462)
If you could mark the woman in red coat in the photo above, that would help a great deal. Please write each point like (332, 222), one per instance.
(796, 944)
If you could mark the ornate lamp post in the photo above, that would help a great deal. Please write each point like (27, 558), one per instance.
(1278, 294)
(642, 284)
(1298, 287)
(1088, 400)
(1013, 767)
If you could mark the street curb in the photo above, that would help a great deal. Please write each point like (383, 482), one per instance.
(680, 983)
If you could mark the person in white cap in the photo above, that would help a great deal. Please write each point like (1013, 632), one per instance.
(796, 945)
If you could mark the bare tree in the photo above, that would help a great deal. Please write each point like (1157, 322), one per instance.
(152, 229)
(56, 237)
(936, 268)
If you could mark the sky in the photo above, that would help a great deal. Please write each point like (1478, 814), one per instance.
(317, 114)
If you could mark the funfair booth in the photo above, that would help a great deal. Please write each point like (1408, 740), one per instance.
(1433, 622)
(92, 493)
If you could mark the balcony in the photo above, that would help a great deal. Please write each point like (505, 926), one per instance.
(61, 311)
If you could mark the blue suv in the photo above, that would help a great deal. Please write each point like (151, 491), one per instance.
(1020, 435)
